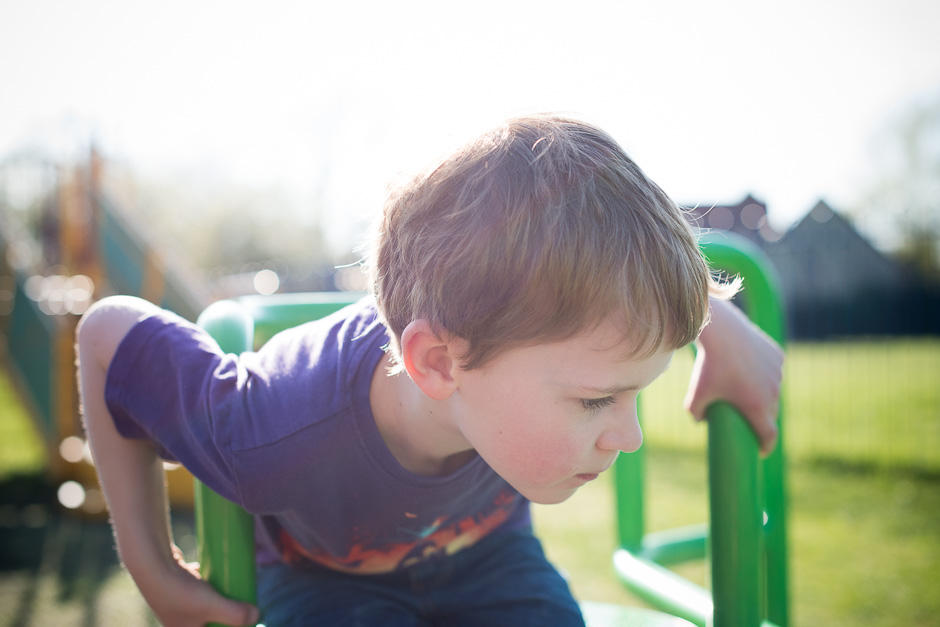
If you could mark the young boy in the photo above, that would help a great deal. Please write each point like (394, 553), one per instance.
(525, 289)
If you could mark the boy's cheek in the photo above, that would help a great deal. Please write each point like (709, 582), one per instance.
(533, 475)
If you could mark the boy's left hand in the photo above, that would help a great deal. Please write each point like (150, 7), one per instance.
(179, 597)
(737, 362)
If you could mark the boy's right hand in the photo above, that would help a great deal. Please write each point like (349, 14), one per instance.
(180, 598)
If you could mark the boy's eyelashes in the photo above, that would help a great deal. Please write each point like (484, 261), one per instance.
(595, 404)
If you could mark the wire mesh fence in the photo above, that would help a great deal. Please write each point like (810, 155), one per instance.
(870, 401)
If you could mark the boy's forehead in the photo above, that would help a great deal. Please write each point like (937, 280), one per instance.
(610, 337)
(602, 362)
(616, 334)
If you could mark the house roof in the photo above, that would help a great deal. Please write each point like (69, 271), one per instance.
(824, 257)
(748, 218)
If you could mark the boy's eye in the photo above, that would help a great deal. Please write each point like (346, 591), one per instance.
(594, 404)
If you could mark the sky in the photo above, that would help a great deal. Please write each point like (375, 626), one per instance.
(327, 102)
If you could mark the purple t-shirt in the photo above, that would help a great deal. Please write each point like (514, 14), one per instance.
(288, 433)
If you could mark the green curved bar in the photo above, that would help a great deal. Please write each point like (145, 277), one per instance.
(277, 312)
(748, 565)
(744, 489)
(736, 255)
(225, 530)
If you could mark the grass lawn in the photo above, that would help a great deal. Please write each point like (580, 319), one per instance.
(864, 545)
(865, 403)
(21, 450)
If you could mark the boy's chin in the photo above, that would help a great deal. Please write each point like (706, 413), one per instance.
(549, 496)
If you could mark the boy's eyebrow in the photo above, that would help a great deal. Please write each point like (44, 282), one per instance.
(611, 391)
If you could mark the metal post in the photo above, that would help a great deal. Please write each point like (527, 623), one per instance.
(225, 530)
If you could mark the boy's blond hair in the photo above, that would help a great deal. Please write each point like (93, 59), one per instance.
(534, 232)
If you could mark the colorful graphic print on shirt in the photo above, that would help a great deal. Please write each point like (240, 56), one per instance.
(441, 537)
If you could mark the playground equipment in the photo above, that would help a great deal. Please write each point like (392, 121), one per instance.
(746, 538)
(85, 248)
(39, 330)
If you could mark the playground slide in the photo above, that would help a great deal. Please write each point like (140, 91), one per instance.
(101, 251)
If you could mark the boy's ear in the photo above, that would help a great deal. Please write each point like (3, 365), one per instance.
(429, 360)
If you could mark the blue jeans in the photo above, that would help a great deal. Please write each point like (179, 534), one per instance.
(502, 580)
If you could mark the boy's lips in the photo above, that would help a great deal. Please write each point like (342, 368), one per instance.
(591, 476)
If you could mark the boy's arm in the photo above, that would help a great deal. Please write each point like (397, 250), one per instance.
(739, 363)
(131, 476)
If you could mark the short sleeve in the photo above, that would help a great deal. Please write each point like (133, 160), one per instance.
(170, 383)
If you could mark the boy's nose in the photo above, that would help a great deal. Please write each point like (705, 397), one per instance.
(623, 433)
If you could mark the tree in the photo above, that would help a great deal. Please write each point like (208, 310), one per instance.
(903, 202)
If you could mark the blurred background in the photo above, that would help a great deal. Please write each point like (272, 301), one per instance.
(187, 152)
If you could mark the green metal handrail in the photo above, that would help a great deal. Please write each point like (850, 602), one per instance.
(745, 539)
(225, 530)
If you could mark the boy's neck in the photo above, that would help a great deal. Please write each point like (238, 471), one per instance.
(417, 430)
